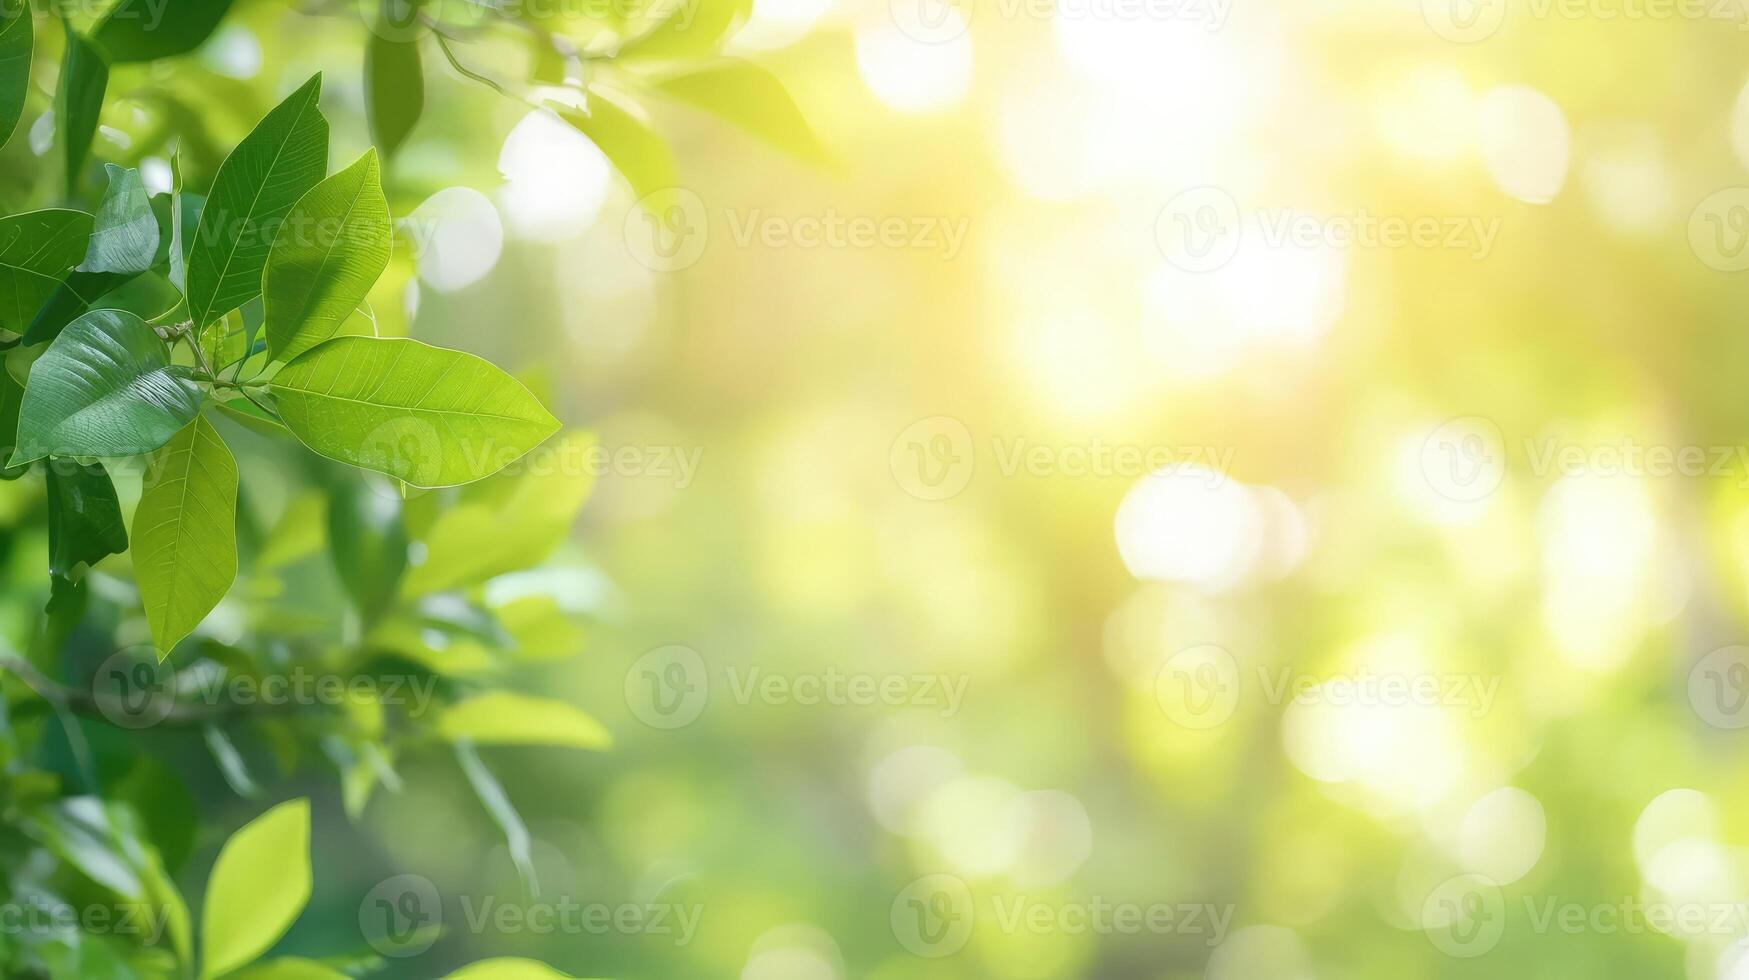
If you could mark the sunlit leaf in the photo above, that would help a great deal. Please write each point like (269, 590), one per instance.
(694, 29)
(124, 232)
(15, 52)
(260, 181)
(105, 387)
(185, 532)
(424, 415)
(621, 129)
(289, 968)
(394, 89)
(146, 30)
(37, 250)
(503, 718)
(85, 524)
(259, 884)
(332, 248)
(751, 98)
(508, 968)
(79, 101)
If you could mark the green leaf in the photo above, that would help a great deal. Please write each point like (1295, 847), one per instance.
(394, 90)
(146, 30)
(15, 49)
(68, 302)
(497, 803)
(105, 387)
(37, 250)
(621, 129)
(427, 416)
(508, 968)
(330, 251)
(259, 884)
(85, 524)
(185, 532)
(79, 100)
(695, 29)
(368, 543)
(503, 718)
(11, 399)
(124, 234)
(185, 211)
(257, 185)
(289, 968)
(747, 96)
(474, 541)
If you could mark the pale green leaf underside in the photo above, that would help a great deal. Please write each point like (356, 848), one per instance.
(503, 718)
(259, 884)
(124, 235)
(37, 250)
(334, 244)
(104, 387)
(185, 532)
(425, 415)
(266, 174)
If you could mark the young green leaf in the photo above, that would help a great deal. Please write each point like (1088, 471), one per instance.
(504, 718)
(144, 30)
(330, 251)
(427, 416)
(289, 968)
(15, 49)
(695, 29)
(124, 233)
(105, 387)
(259, 884)
(258, 183)
(748, 96)
(621, 129)
(85, 524)
(37, 250)
(394, 89)
(79, 100)
(185, 532)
